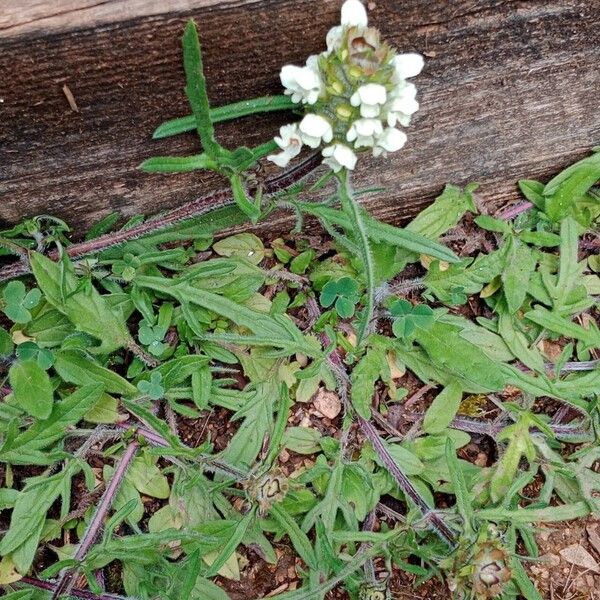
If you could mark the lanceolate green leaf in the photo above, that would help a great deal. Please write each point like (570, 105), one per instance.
(443, 408)
(298, 538)
(176, 164)
(280, 330)
(536, 515)
(32, 506)
(571, 185)
(226, 113)
(364, 376)
(463, 502)
(447, 349)
(517, 342)
(84, 306)
(554, 322)
(520, 445)
(382, 232)
(31, 388)
(234, 541)
(40, 435)
(520, 264)
(75, 367)
(540, 385)
(196, 90)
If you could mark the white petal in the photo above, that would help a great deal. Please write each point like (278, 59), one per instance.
(312, 62)
(406, 106)
(302, 83)
(372, 93)
(345, 156)
(308, 79)
(316, 126)
(354, 14)
(289, 76)
(338, 156)
(405, 90)
(368, 111)
(334, 38)
(408, 65)
(311, 141)
(281, 160)
(286, 132)
(367, 127)
(392, 140)
(364, 141)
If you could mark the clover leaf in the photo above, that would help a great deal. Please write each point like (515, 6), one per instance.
(18, 301)
(153, 388)
(408, 317)
(343, 293)
(126, 268)
(152, 336)
(31, 351)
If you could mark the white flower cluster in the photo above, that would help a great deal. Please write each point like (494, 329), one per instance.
(359, 111)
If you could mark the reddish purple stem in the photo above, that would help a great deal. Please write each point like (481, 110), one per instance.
(75, 593)
(89, 537)
(188, 211)
(435, 520)
(515, 211)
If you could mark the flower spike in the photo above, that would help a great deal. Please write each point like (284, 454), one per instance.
(356, 95)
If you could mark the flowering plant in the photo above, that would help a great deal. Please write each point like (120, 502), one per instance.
(155, 330)
(354, 95)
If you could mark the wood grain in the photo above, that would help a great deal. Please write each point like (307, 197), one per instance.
(510, 90)
(20, 18)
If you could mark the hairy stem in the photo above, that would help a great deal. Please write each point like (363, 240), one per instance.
(354, 210)
(75, 593)
(433, 519)
(208, 462)
(66, 579)
(515, 211)
(190, 210)
(436, 522)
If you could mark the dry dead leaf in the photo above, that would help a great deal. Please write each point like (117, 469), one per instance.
(551, 350)
(594, 536)
(576, 554)
(327, 403)
(396, 371)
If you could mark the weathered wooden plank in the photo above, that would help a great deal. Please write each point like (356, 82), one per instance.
(20, 18)
(510, 90)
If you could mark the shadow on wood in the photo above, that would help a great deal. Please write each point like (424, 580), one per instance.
(510, 90)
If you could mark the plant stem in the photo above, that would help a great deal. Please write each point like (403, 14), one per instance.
(208, 462)
(66, 579)
(14, 248)
(436, 522)
(354, 210)
(515, 211)
(75, 593)
(190, 210)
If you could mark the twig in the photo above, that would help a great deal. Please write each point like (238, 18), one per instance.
(66, 579)
(369, 567)
(390, 512)
(435, 521)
